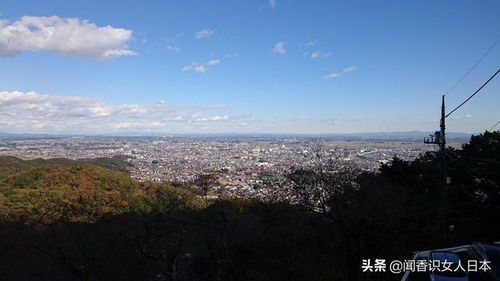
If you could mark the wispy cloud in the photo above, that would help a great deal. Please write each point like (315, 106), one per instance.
(337, 74)
(187, 68)
(204, 33)
(231, 55)
(213, 62)
(213, 118)
(172, 48)
(66, 36)
(331, 75)
(279, 48)
(272, 3)
(195, 68)
(310, 43)
(200, 67)
(349, 69)
(316, 55)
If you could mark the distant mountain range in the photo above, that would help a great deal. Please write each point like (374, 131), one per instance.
(408, 135)
(402, 135)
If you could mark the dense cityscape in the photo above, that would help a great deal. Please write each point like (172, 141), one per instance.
(247, 167)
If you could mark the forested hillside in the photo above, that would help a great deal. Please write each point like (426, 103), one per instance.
(55, 190)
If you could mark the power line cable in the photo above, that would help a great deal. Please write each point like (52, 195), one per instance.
(477, 91)
(494, 126)
(473, 66)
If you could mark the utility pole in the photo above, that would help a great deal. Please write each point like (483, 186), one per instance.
(442, 126)
(439, 137)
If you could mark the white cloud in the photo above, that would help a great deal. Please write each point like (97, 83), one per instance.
(187, 68)
(67, 36)
(319, 54)
(37, 105)
(336, 74)
(136, 125)
(216, 118)
(349, 69)
(34, 112)
(204, 33)
(200, 68)
(331, 76)
(468, 116)
(213, 62)
(279, 48)
(310, 43)
(273, 3)
(172, 48)
(197, 67)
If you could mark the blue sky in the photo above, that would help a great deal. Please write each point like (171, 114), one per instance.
(245, 66)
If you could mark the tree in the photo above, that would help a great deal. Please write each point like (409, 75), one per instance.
(205, 182)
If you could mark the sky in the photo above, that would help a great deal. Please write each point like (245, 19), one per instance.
(254, 66)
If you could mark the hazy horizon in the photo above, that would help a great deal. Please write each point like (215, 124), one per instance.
(416, 135)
